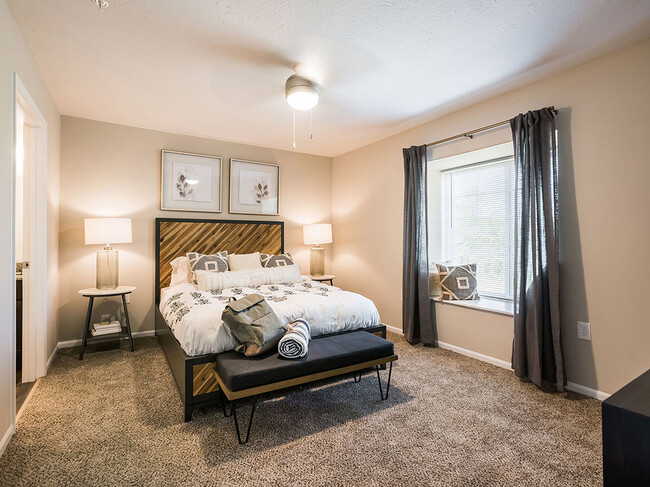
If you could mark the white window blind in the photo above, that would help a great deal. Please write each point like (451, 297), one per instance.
(478, 210)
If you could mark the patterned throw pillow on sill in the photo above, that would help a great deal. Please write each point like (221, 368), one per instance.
(269, 260)
(434, 279)
(200, 262)
(434, 284)
(458, 283)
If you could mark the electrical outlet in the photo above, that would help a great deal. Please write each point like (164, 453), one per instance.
(584, 331)
(128, 299)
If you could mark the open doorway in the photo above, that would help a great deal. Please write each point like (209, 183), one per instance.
(23, 136)
(29, 234)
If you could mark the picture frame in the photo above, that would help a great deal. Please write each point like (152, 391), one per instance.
(254, 188)
(190, 182)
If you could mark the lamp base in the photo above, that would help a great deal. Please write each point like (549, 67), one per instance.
(317, 261)
(107, 276)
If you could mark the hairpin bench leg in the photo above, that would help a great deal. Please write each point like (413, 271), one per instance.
(357, 377)
(250, 421)
(381, 391)
(223, 406)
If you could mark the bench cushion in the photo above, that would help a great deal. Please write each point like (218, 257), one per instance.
(326, 353)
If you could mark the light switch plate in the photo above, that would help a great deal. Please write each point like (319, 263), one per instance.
(584, 331)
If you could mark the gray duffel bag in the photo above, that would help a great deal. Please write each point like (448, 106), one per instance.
(253, 323)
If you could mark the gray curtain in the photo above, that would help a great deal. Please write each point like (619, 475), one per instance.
(537, 349)
(417, 308)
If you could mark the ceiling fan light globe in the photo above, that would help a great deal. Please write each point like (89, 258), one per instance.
(302, 98)
(301, 93)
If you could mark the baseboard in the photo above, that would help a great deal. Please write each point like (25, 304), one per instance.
(572, 386)
(587, 391)
(478, 356)
(5, 439)
(394, 329)
(77, 342)
(141, 334)
(49, 360)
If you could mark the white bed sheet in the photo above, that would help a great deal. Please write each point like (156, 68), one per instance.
(195, 316)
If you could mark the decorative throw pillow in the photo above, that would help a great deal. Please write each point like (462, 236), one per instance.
(434, 284)
(181, 271)
(269, 260)
(200, 262)
(242, 262)
(457, 282)
(434, 279)
(214, 281)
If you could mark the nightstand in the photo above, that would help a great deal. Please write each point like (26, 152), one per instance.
(324, 278)
(93, 293)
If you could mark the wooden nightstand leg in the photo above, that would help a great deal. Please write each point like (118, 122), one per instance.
(128, 324)
(86, 327)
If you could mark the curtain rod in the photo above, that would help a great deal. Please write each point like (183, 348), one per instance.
(470, 134)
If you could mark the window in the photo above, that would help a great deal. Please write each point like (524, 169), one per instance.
(475, 199)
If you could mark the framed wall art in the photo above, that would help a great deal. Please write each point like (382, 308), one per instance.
(254, 187)
(190, 182)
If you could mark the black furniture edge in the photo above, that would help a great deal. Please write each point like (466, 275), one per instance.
(626, 434)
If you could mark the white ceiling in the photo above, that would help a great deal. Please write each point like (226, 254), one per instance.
(217, 68)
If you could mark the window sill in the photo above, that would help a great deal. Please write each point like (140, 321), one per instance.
(491, 305)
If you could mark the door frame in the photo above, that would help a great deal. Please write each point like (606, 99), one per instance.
(35, 225)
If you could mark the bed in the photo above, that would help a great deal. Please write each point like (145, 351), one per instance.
(175, 237)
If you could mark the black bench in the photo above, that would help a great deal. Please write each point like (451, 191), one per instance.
(626, 435)
(240, 377)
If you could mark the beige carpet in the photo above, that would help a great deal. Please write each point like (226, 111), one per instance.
(116, 419)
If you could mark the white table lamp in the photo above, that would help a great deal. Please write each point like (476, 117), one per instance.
(320, 233)
(107, 231)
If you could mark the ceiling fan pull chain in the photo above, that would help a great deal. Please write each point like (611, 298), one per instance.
(294, 128)
(311, 124)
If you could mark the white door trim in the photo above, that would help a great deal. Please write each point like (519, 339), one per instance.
(35, 222)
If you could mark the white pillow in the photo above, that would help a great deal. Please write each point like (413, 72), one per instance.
(181, 271)
(240, 262)
(215, 281)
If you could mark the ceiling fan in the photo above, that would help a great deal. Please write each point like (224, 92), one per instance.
(101, 4)
(302, 94)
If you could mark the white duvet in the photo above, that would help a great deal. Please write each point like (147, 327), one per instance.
(195, 316)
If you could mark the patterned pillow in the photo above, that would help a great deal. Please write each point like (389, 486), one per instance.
(457, 283)
(281, 260)
(216, 262)
(240, 262)
(434, 284)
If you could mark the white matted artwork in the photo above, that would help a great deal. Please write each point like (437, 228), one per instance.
(190, 182)
(254, 187)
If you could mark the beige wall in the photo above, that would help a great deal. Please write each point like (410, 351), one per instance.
(113, 170)
(603, 127)
(15, 57)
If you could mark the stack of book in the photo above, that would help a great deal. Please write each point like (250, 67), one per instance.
(106, 328)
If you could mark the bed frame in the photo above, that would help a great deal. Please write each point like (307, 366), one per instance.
(174, 238)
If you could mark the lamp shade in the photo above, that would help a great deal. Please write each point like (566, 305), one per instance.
(107, 231)
(319, 233)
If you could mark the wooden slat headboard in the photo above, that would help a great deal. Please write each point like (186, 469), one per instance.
(177, 236)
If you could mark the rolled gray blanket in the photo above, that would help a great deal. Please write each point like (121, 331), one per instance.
(295, 342)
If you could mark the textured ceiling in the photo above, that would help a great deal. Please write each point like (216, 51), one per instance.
(217, 68)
